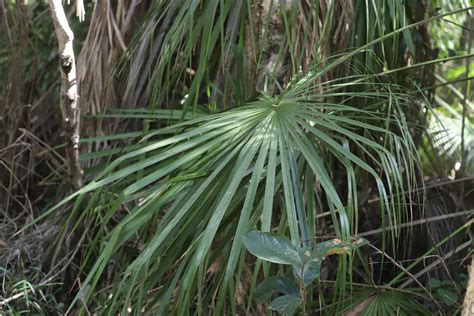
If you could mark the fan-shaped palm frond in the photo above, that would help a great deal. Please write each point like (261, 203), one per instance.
(376, 302)
(223, 174)
(446, 130)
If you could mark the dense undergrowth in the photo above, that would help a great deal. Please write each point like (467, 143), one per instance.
(205, 120)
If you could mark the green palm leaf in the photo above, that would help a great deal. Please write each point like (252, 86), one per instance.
(203, 189)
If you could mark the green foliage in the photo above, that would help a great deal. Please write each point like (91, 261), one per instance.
(316, 128)
(273, 248)
(20, 296)
(448, 292)
(305, 261)
(388, 302)
(218, 176)
(446, 33)
(452, 141)
(446, 134)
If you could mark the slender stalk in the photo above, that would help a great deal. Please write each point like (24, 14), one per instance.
(394, 262)
(465, 99)
(468, 302)
(429, 252)
(441, 260)
(348, 56)
(69, 98)
(302, 292)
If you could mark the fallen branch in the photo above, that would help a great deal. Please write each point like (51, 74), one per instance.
(69, 98)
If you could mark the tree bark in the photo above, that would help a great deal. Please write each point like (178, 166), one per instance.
(69, 98)
(468, 305)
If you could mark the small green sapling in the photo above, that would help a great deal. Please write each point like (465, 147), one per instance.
(306, 263)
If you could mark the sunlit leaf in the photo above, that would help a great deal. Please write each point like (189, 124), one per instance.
(272, 247)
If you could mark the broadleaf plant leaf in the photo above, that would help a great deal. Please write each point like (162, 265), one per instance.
(272, 247)
(309, 272)
(275, 284)
(448, 297)
(285, 305)
(338, 246)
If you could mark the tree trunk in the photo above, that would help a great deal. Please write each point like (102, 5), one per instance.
(68, 99)
(468, 305)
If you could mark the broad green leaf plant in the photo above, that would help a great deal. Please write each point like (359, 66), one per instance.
(305, 261)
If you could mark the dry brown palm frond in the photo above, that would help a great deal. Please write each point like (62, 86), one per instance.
(100, 87)
(28, 167)
(28, 117)
(16, 21)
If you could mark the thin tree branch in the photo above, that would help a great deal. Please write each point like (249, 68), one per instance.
(437, 262)
(408, 273)
(417, 222)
